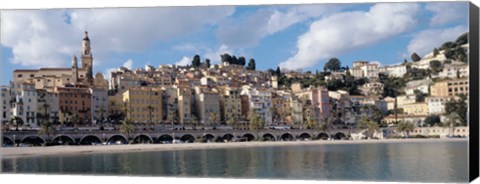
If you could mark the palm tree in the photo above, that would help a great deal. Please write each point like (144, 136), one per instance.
(369, 125)
(327, 124)
(231, 121)
(75, 119)
(48, 130)
(405, 127)
(213, 118)
(194, 121)
(101, 111)
(150, 109)
(17, 121)
(453, 120)
(127, 128)
(171, 117)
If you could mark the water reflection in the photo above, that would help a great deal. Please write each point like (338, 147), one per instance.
(427, 162)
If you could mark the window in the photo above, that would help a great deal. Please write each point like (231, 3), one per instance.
(20, 75)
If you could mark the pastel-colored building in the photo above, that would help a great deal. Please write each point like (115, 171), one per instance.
(260, 102)
(143, 101)
(77, 101)
(416, 108)
(207, 104)
(451, 87)
(5, 114)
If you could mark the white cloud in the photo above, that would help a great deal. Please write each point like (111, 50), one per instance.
(184, 61)
(249, 30)
(424, 42)
(340, 32)
(214, 55)
(128, 64)
(446, 12)
(44, 38)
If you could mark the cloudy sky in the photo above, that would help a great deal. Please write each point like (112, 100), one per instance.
(289, 36)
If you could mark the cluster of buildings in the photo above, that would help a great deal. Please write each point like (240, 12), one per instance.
(221, 93)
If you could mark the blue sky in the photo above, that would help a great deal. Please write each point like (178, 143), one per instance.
(290, 36)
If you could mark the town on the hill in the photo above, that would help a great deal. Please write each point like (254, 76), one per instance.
(420, 97)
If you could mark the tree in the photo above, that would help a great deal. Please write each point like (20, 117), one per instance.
(226, 58)
(453, 120)
(194, 121)
(436, 66)
(432, 120)
(405, 127)
(251, 64)
(127, 128)
(459, 107)
(255, 121)
(278, 72)
(213, 118)
(435, 52)
(373, 113)
(333, 64)
(48, 130)
(75, 119)
(419, 95)
(196, 61)
(448, 45)
(462, 39)
(405, 61)
(415, 57)
(17, 121)
(231, 121)
(241, 61)
(208, 62)
(369, 125)
(150, 109)
(102, 119)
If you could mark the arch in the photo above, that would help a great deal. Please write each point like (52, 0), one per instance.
(209, 137)
(33, 140)
(268, 137)
(248, 137)
(322, 136)
(187, 138)
(117, 139)
(7, 141)
(63, 140)
(286, 137)
(143, 139)
(165, 138)
(227, 137)
(339, 136)
(305, 136)
(89, 140)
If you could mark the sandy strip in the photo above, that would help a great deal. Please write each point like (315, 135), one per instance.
(15, 152)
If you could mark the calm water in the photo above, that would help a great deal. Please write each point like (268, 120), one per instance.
(427, 162)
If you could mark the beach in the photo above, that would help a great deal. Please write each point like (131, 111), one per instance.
(16, 152)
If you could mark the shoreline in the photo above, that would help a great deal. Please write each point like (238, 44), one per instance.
(18, 152)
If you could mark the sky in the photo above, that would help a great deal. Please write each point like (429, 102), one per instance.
(290, 36)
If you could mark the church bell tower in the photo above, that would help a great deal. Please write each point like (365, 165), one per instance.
(87, 59)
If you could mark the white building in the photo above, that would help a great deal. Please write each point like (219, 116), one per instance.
(99, 104)
(421, 85)
(25, 105)
(260, 102)
(454, 71)
(5, 113)
(51, 99)
(405, 99)
(365, 69)
(436, 104)
(394, 71)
